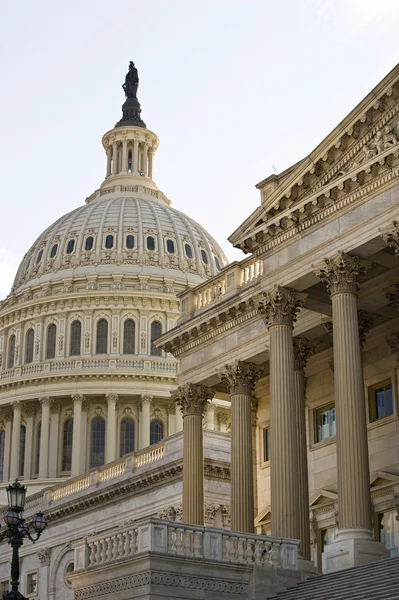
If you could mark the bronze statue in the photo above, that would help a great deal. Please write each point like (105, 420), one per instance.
(131, 82)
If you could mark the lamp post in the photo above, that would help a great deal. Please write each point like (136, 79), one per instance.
(17, 530)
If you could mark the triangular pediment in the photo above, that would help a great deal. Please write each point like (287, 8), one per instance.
(380, 479)
(345, 160)
(263, 516)
(322, 497)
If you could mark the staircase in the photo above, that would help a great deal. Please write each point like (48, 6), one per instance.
(374, 581)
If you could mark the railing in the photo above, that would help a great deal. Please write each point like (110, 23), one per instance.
(70, 487)
(134, 189)
(192, 541)
(112, 470)
(149, 456)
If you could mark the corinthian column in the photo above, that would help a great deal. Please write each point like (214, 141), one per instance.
(15, 441)
(193, 400)
(76, 434)
(240, 378)
(110, 449)
(303, 349)
(279, 310)
(44, 437)
(342, 274)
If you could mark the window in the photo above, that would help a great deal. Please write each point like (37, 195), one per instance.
(325, 423)
(127, 437)
(102, 337)
(388, 532)
(128, 336)
(129, 161)
(29, 346)
(130, 242)
(2, 448)
(188, 250)
(109, 242)
(89, 243)
(70, 569)
(156, 431)
(31, 584)
(266, 444)
(217, 263)
(381, 401)
(76, 336)
(51, 339)
(97, 442)
(204, 257)
(22, 442)
(39, 257)
(53, 251)
(70, 246)
(156, 331)
(170, 246)
(4, 586)
(11, 352)
(67, 445)
(150, 243)
(38, 438)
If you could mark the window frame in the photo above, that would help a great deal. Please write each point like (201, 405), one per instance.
(129, 320)
(266, 444)
(22, 446)
(29, 348)
(162, 424)
(51, 344)
(51, 255)
(319, 410)
(203, 253)
(27, 582)
(107, 237)
(2, 452)
(94, 420)
(186, 244)
(65, 446)
(73, 247)
(154, 351)
(132, 421)
(153, 237)
(71, 340)
(92, 243)
(170, 241)
(102, 319)
(11, 351)
(130, 235)
(372, 401)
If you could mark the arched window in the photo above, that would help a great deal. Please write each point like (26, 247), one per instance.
(22, 441)
(53, 251)
(150, 243)
(204, 257)
(129, 161)
(76, 337)
(89, 243)
(188, 250)
(156, 331)
(109, 242)
(29, 346)
(11, 352)
(128, 336)
(170, 246)
(217, 263)
(70, 246)
(39, 257)
(102, 337)
(38, 436)
(156, 431)
(67, 445)
(97, 446)
(2, 448)
(130, 242)
(51, 339)
(127, 437)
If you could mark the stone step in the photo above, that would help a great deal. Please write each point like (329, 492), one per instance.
(355, 592)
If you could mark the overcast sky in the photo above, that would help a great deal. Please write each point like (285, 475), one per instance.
(231, 88)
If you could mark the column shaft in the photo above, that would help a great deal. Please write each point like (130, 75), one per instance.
(302, 464)
(28, 445)
(145, 421)
(135, 167)
(110, 438)
(114, 158)
(210, 417)
(76, 435)
(150, 159)
(54, 441)
(193, 471)
(15, 441)
(109, 155)
(44, 438)
(124, 157)
(7, 449)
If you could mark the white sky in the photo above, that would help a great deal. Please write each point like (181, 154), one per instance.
(231, 87)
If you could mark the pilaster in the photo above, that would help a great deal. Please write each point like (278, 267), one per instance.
(110, 446)
(45, 402)
(77, 435)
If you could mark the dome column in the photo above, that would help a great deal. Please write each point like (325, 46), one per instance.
(145, 420)
(150, 159)
(15, 440)
(109, 158)
(115, 158)
(44, 436)
(76, 434)
(124, 155)
(54, 439)
(7, 448)
(135, 167)
(110, 438)
(29, 417)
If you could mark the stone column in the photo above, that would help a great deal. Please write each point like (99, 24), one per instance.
(29, 417)
(193, 400)
(76, 434)
(240, 379)
(84, 455)
(7, 449)
(210, 416)
(124, 156)
(150, 159)
(15, 441)
(171, 408)
(342, 274)
(44, 555)
(115, 158)
(54, 440)
(279, 310)
(179, 419)
(45, 401)
(145, 420)
(303, 349)
(135, 166)
(110, 438)
(109, 155)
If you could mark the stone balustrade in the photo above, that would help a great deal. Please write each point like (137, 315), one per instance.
(128, 189)
(184, 540)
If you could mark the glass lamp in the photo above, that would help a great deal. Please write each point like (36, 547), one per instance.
(39, 522)
(11, 518)
(16, 496)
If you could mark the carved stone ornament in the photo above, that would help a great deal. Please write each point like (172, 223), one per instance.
(112, 398)
(393, 296)
(78, 398)
(240, 377)
(210, 512)
(46, 400)
(392, 238)
(280, 306)
(44, 555)
(303, 350)
(342, 273)
(394, 345)
(192, 398)
(365, 322)
(87, 340)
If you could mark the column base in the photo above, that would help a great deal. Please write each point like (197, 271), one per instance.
(347, 552)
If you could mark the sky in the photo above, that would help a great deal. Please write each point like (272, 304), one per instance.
(234, 89)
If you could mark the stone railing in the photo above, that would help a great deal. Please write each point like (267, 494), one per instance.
(47, 368)
(179, 539)
(128, 189)
(229, 281)
(150, 455)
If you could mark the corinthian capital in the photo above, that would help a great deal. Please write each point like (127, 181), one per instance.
(46, 400)
(192, 398)
(78, 398)
(112, 398)
(394, 345)
(240, 377)
(365, 322)
(392, 238)
(303, 350)
(342, 273)
(281, 305)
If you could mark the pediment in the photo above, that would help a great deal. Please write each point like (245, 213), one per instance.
(264, 515)
(362, 144)
(380, 479)
(322, 497)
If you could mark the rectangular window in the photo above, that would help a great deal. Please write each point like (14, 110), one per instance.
(4, 587)
(325, 423)
(266, 444)
(380, 400)
(31, 584)
(388, 533)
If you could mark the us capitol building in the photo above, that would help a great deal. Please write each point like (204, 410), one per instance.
(198, 429)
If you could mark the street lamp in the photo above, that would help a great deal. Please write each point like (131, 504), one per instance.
(17, 530)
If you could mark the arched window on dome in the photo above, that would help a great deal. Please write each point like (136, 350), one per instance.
(188, 250)
(53, 251)
(150, 243)
(76, 338)
(22, 442)
(109, 242)
(51, 341)
(217, 263)
(156, 431)
(2, 449)
(37, 457)
(11, 352)
(29, 346)
(156, 331)
(204, 257)
(70, 247)
(102, 337)
(67, 445)
(170, 246)
(39, 257)
(130, 242)
(97, 446)
(89, 243)
(126, 437)
(129, 329)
